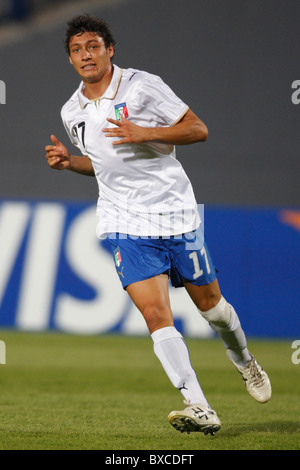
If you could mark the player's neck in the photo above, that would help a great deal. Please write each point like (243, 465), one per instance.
(94, 90)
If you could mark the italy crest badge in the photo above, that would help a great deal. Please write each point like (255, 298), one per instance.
(121, 110)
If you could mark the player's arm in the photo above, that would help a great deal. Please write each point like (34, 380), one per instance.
(188, 130)
(59, 158)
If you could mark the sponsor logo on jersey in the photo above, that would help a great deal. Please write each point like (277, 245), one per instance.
(121, 110)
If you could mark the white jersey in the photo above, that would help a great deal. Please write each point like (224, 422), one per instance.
(143, 189)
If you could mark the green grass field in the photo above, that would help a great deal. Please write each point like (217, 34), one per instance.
(110, 393)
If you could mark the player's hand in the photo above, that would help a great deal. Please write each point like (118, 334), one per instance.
(57, 155)
(127, 131)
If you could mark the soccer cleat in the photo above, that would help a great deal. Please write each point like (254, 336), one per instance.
(195, 418)
(256, 379)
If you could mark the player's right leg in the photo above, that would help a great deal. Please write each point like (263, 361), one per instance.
(151, 296)
(141, 265)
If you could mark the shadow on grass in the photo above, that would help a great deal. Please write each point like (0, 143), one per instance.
(281, 427)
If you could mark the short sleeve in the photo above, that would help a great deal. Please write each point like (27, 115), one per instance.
(158, 99)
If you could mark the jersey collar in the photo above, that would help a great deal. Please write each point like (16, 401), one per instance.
(110, 92)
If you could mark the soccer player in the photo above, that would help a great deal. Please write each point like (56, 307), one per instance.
(126, 124)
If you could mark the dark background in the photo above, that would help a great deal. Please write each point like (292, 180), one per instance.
(232, 61)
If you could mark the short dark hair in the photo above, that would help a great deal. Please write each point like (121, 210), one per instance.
(86, 23)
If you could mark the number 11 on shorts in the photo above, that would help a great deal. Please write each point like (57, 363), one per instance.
(194, 257)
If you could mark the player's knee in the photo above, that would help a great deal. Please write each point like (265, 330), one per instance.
(156, 316)
(207, 303)
(219, 315)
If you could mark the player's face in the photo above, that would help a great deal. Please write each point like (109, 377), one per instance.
(90, 57)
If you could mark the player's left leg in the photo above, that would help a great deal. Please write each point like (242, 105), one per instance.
(224, 320)
(192, 260)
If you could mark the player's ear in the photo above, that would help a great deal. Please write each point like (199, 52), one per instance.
(71, 62)
(110, 51)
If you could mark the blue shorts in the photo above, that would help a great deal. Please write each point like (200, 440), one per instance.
(185, 258)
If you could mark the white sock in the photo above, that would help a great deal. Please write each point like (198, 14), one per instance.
(173, 354)
(234, 338)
